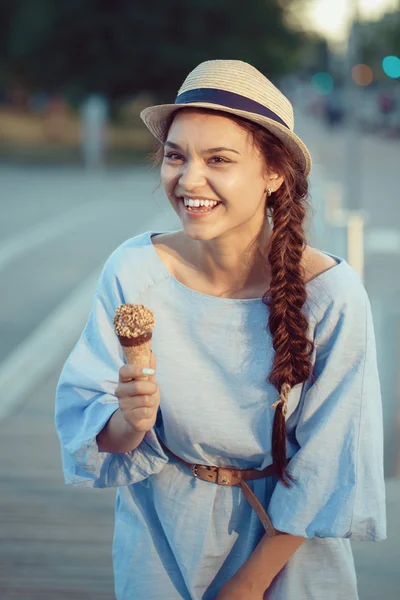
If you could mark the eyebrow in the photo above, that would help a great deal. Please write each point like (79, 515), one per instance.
(219, 149)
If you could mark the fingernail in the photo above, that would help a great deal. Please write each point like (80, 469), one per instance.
(148, 371)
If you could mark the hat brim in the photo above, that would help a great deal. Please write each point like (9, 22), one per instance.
(156, 120)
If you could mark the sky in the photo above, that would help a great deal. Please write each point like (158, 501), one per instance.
(331, 17)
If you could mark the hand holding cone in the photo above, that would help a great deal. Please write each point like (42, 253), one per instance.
(138, 396)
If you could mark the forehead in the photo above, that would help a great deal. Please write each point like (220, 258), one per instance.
(191, 122)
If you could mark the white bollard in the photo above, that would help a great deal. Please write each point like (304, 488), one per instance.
(355, 241)
(94, 121)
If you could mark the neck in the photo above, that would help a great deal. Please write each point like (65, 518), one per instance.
(235, 262)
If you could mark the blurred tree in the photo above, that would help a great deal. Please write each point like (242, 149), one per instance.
(379, 39)
(316, 55)
(122, 47)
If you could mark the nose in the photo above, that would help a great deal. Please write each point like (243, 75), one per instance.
(191, 177)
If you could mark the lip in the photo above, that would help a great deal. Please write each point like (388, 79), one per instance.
(197, 215)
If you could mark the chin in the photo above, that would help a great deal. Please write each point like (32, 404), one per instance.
(199, 232)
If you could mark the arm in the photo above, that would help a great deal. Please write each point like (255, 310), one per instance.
(118, 436)
(86, 402)
(256, 574)
(269, 557)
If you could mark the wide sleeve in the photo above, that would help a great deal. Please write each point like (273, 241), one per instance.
(339, 489)
(85, 400)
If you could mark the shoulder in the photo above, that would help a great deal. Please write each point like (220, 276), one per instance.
(170, 244)
(339, 308)
(130, 271)
(134, 248)
(172, 249)
(132, 260)
(316, 262)
(334, 288)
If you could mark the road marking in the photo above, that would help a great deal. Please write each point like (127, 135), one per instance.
(51, 229)
(45, 348)
(24, 368)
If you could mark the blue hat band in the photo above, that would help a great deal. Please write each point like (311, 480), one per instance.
(229, 100)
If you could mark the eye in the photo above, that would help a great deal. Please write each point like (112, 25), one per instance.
(172, 155)
(219, 159)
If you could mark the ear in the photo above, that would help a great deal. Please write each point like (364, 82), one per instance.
(273, 180)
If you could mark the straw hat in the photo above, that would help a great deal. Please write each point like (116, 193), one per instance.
(238, 88)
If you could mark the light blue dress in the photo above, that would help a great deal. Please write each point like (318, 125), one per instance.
(177, 537)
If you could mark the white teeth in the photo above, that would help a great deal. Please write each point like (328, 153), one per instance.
(196, 203)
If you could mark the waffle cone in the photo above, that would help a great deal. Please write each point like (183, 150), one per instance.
(138, 355)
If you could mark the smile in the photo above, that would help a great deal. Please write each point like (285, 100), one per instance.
(196, 207)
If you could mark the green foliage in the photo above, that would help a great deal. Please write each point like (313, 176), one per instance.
(121, 47)
(380, 39)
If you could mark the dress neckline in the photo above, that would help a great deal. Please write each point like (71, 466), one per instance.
(221, 300)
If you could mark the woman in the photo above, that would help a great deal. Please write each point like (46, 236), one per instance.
(265, 352)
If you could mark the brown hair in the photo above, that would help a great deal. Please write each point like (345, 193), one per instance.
(287, 293)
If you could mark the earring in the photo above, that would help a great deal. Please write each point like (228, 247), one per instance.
(270, 191)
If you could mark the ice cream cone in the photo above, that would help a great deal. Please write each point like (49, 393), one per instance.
(139, 354)
(134, 325)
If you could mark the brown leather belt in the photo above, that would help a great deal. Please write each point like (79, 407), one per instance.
(229, 476)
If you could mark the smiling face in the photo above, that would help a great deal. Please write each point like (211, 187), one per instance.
(209, 156)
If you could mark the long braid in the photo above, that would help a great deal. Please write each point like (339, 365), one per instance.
(287, 323)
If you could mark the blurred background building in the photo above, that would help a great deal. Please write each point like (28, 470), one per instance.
(76, 180)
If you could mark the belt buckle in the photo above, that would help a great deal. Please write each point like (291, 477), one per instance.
(224, 476)
(194, 470)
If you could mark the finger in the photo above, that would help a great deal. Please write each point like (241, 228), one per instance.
(132, 415)
(139, 403)
(130, 372)
(144, 412)
(135, 415)
(153, 365)
(135, 388)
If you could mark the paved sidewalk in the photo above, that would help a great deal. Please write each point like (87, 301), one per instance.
(56, 540)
